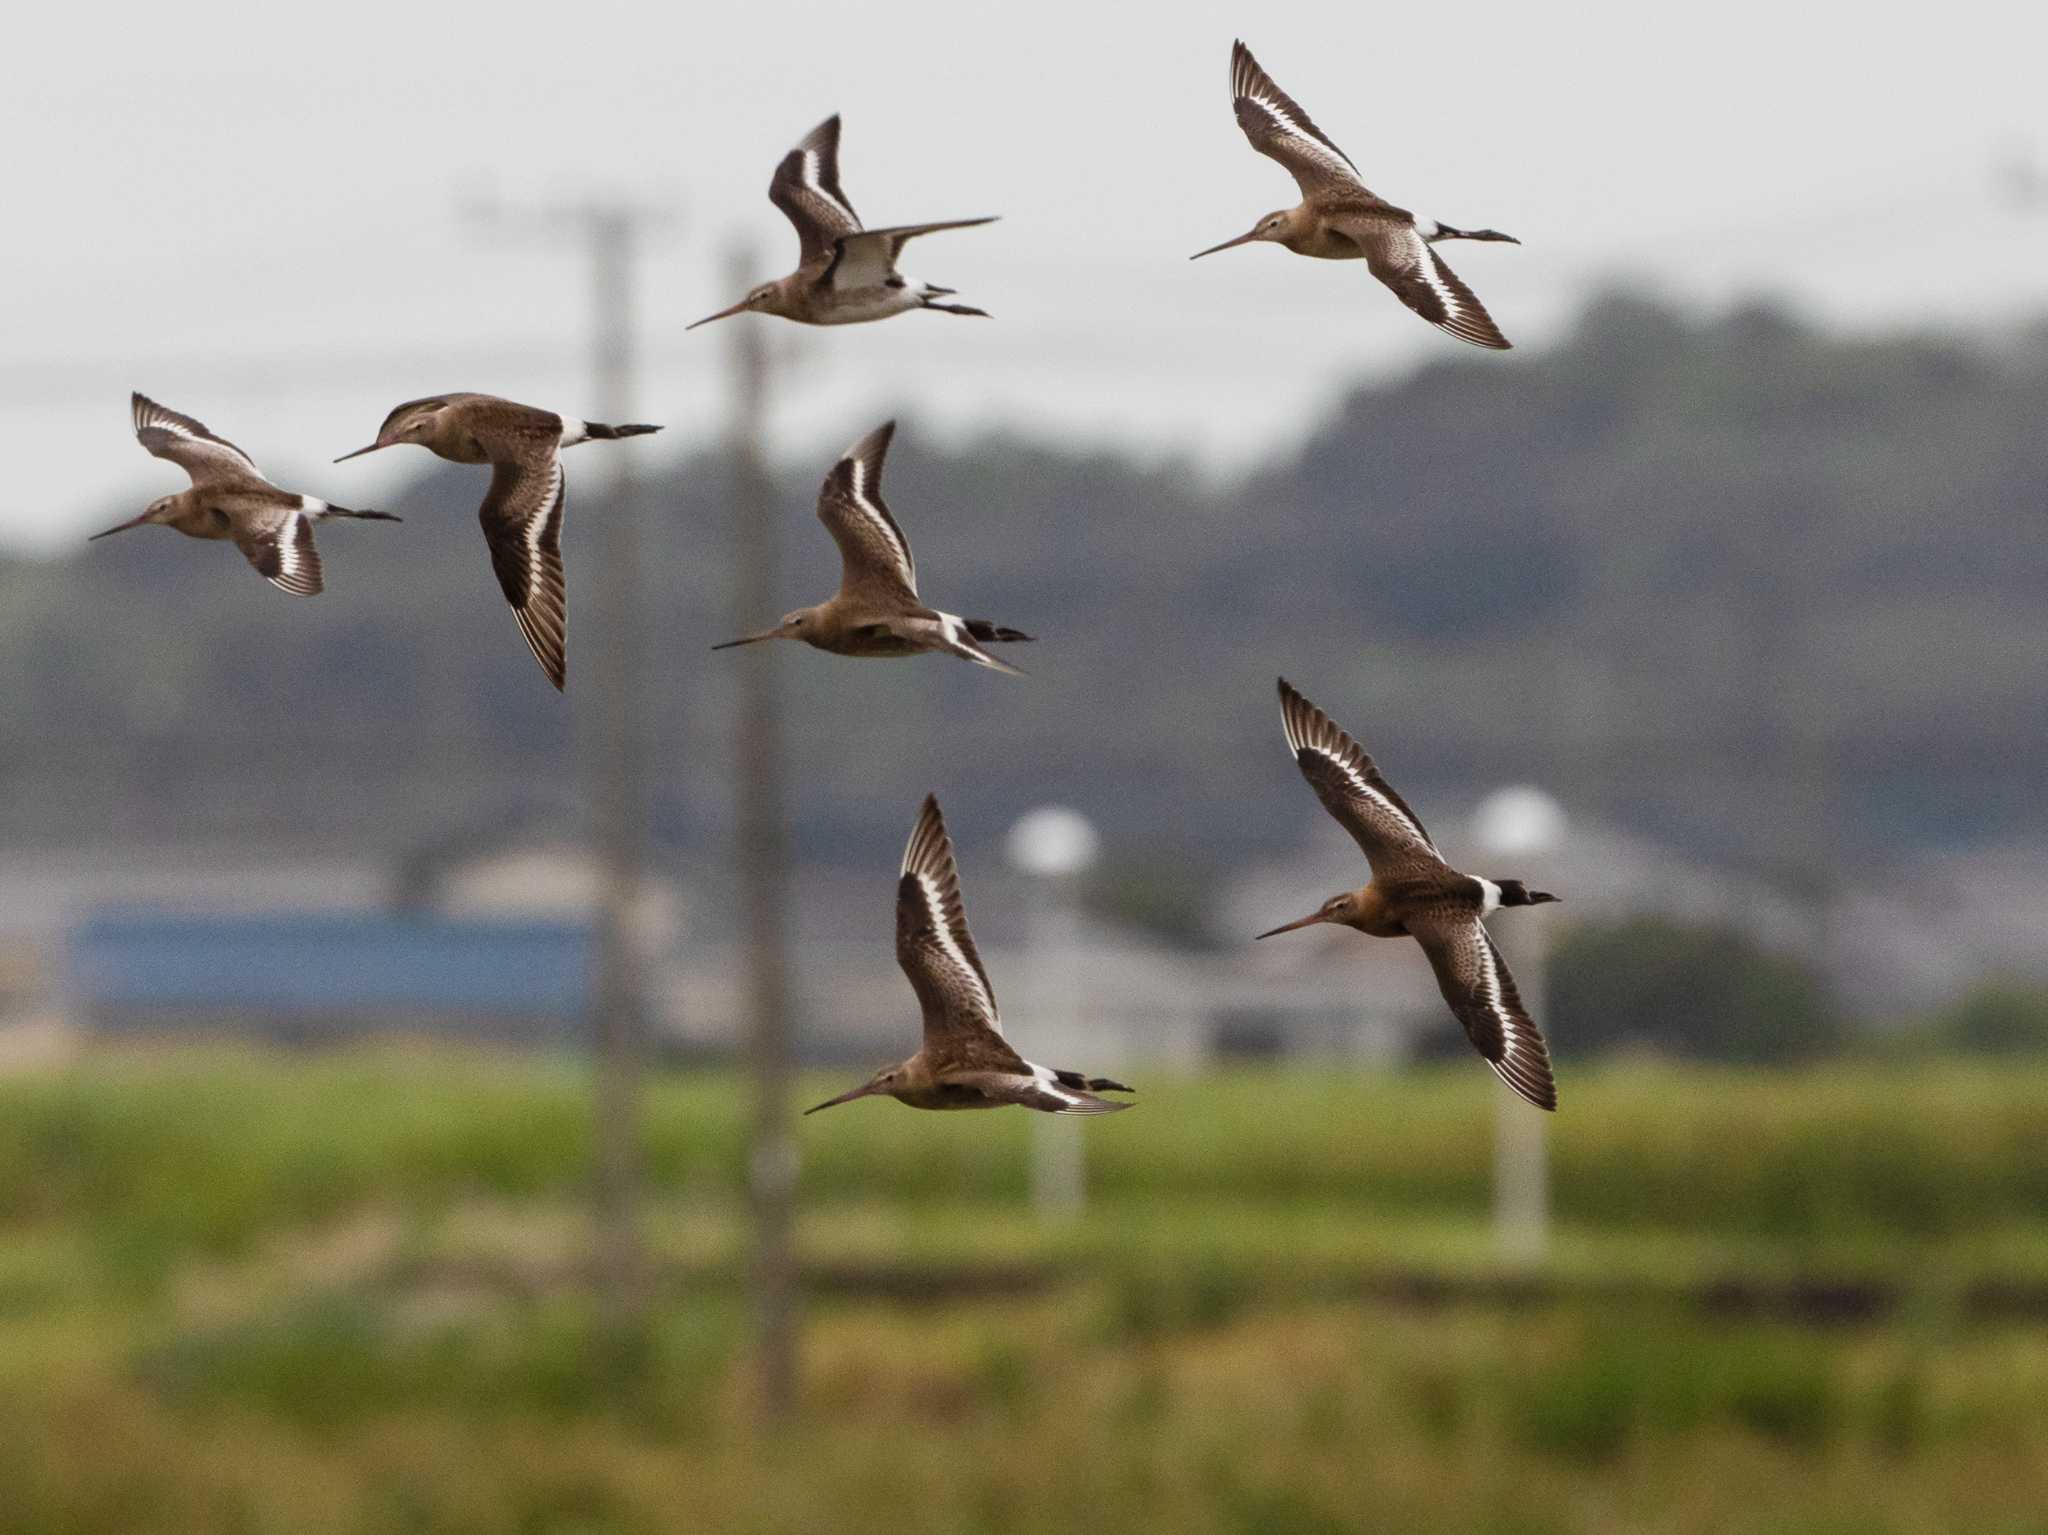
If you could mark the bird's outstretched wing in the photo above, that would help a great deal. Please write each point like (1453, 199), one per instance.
(1398, 256)
(1352, 788)
(961, 1026)
(806, 188)
(1034, 1087)
(522, 521)
(283, 554)
(867, 258)
(1279, 129)
(1475, 982)
(167, 433)
(874, 556)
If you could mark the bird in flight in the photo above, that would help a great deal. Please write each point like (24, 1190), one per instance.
(1339, 219)
(876, 611)
(1415, 894)
(230, 499)
(845, 274)
(523, 510)
(965, 1062)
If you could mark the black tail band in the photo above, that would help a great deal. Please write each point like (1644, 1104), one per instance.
(990, 633)
(1074, 1079)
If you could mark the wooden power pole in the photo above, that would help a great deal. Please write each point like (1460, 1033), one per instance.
(611, 683)
(762, 857)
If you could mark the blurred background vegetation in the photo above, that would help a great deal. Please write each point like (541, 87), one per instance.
(349, 1293)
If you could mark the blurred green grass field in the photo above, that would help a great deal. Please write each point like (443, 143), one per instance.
(348, 1293)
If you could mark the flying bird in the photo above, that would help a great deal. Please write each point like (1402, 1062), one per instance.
(876, 611)
(1415, 893)
(230, 499)
(523, 510)
(1338, 219)
(965, 1062)
(845, 274)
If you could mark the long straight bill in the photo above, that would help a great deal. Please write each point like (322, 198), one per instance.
(751, 639)
(121, 527)
(866, 1089)
(1212, 250)
(1288, 927)
(721, 315)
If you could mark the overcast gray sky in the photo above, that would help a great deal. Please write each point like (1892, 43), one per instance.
(254, 213)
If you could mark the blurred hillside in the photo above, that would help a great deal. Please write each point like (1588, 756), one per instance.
(1762, 593)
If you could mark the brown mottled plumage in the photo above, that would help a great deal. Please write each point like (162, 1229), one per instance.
(845, 274)
(1416, 894)
(523, 510)
(1340, 219)
(876, 611)
(229, 499)
(965, 1062)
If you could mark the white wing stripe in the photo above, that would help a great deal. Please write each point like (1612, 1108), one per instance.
(1366, 790)
(1287, 125)
(1050, 1084)
(813, 163)
(943, 929)
(536, 527)
(1329, 753)
(1515, 1037)
(859, 486)
(148, 413)
(1426, 260)
(1314, 147)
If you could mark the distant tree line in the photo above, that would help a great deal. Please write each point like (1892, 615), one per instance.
(1770, 594)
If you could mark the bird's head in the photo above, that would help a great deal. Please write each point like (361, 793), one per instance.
(794, 626)
(881, 1085)
(414, 421)
(1274, 226)
(162, 509)
(1341, 909)
(761, 300)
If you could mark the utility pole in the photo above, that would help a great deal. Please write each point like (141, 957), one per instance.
(762, 855)
(1521, 822)
(614, 751)
(1055, 846)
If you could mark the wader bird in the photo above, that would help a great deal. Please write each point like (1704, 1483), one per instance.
(845, 274)
(1414, 893)
(876, 611)
(229, 499)
(965, 1063)
(522, 512)
(1338, 219)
